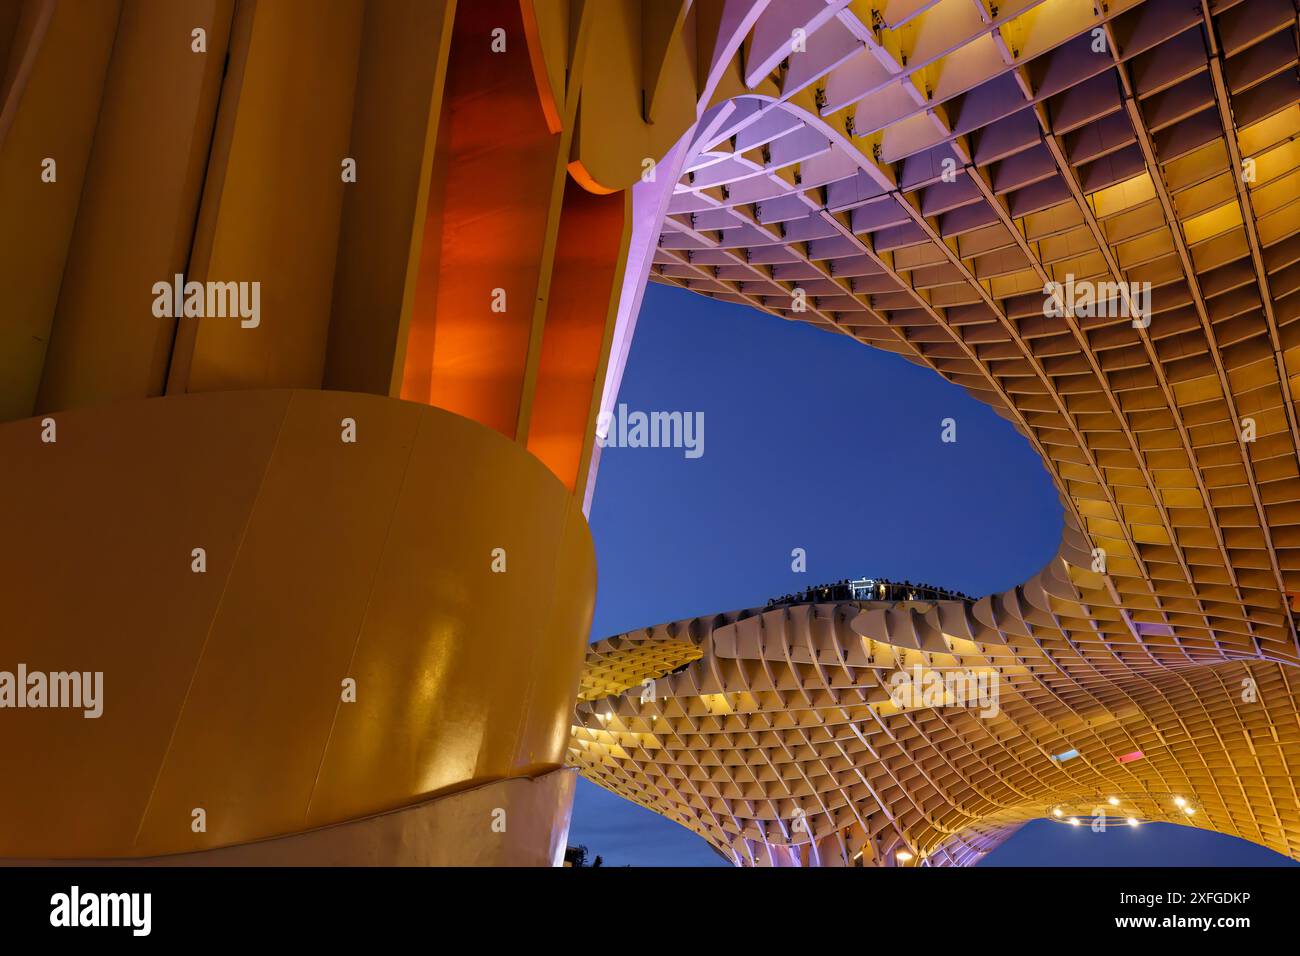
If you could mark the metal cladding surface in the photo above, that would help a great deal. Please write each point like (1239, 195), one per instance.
(323, 562)
(921, 176)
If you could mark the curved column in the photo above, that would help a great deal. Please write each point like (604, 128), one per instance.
(281, 630)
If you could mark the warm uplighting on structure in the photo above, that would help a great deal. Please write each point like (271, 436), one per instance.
(1131, 202)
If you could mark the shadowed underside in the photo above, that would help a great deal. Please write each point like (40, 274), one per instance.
(1137, 142)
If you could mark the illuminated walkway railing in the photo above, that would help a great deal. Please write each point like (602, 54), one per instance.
(869, 589)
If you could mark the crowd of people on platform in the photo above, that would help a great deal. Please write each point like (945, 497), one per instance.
(870, 589)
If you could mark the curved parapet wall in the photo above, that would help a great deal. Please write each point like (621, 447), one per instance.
(431, 561)
(886, 733)
(431, 833)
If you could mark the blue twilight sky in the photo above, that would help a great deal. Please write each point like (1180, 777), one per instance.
(813, 441)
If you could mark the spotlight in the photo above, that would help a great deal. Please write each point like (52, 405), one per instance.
(902, 856)
(1132, 821)
(1113, 801)
(1056, 812)
(1179, 802)
(1074, 821)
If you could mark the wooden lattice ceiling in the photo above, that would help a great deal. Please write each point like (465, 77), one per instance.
(913, 177)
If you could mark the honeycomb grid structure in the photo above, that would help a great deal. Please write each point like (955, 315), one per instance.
(915, 177)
